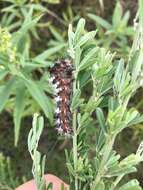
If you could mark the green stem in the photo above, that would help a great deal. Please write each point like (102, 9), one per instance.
(107, 150)
(75, 153)
(118, 179)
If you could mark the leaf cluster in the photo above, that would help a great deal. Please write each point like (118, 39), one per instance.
(113, 85)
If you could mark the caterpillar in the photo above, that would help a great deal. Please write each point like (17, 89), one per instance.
(61, 79)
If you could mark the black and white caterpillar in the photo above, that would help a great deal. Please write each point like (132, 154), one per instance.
(61, 79)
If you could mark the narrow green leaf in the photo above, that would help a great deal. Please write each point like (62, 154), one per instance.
(76, 100)
(92, 104)
(48, 53)
(78, 52)
(125, 18)
(79, 30)
(141, 13)
(88, 59)
(100, 21)
(38, 94)
(101, 119)
(29, 21)
(18, 111)
(137, 66)
(86, 38)
(6, 91)
(118, 74)
(136, 120)
(117, 14)
(131, 185)
(71, 36)
(56, 34)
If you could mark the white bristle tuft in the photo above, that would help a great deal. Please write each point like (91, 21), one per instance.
(58, 99)
(58, 121)
(57, 110)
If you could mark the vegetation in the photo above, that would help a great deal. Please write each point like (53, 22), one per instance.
(107, 72)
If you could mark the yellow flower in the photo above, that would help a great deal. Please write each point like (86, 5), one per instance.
(5, 40)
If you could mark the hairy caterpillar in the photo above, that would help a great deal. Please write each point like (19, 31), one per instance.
(61, 78)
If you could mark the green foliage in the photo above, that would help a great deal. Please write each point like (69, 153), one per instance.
(116, 33)
(107, 75)
(8, 179)
(22, 90)
(16, 78)
(18, 67)
(16, 74)
(39, 161)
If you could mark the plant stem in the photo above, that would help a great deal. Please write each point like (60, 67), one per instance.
(118, 179)
(107, 150)
(75, 157)
(75, 153)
